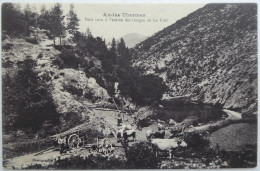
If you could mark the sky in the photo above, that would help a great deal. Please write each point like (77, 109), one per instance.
(147, 19)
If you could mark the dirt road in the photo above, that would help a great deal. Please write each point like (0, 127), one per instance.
(232, 116)
(109, 117)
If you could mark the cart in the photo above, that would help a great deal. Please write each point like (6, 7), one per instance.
(76, 138)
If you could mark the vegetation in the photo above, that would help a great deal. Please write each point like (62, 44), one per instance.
(15, 22)
(27, 103)
(139, 156)
(142, 156)
(73, 21)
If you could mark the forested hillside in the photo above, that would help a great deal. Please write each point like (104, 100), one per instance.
(53, 74)
(211, 54)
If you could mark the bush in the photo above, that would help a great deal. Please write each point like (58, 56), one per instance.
(31, 40)
(142, 89)
(7, 46)
(7, 64)
(70, 60)
(73, 90)
(61, 47)
(196, 141)
(142, 156)
(40, 55)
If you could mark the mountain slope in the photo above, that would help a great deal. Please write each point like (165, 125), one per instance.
(211, 53)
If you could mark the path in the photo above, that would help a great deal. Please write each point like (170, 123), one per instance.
(232, 116)
(109, 116)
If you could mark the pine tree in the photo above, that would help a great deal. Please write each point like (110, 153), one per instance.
(13, 20)
(44, 18)
(123, 53)
(88, 33)
(112, 51)
(30, 16)
(73, 21)
(56, 26)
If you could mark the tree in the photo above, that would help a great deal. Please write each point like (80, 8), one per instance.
(73, 21)
(64, 33)
(56, 26)
(112, 51)
(123, 53)
(44, 19)
(26, 102)
(88, 33)
(13, 20)
(30, 16)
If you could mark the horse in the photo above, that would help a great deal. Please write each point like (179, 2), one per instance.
(157, 134)
(122, 133)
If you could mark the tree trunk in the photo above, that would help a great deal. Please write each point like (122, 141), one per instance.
(60, 40)
(54, 41)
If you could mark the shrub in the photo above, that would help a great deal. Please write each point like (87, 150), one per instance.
(40, 55)
(7, 46)
(73, 90)
(7, 64)
(61, 47)
(69, 58)
(142, 156)
(196, 141)
(31, 40)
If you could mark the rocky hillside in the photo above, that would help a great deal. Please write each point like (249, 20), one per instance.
(211, 54)
(71, 89)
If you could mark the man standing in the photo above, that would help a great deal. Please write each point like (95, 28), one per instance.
(119, 120)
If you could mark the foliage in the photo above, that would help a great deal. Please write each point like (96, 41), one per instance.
(90, 162)
(69, 120)
(31, 40)
(13, 20)
(196, 141)
(73, 90)
(69, 59)
(56, 25)
(141, 155)
(26, 101)
(73, 21)
(144, 90)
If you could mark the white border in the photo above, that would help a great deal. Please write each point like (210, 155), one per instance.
(142, 2)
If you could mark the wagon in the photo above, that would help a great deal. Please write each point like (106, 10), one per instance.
(72, 138)
(76, 138)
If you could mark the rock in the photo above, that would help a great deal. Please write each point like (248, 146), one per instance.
(172, 122)
(225, 164)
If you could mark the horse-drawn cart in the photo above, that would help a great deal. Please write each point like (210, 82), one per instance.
(77, 138)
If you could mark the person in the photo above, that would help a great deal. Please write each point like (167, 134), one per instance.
(119, 120)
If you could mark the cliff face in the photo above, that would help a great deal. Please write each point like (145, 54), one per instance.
(211, 53)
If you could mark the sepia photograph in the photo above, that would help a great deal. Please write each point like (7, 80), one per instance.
(129, 85)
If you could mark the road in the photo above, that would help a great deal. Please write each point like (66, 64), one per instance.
(109, 117)
(232, 116)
